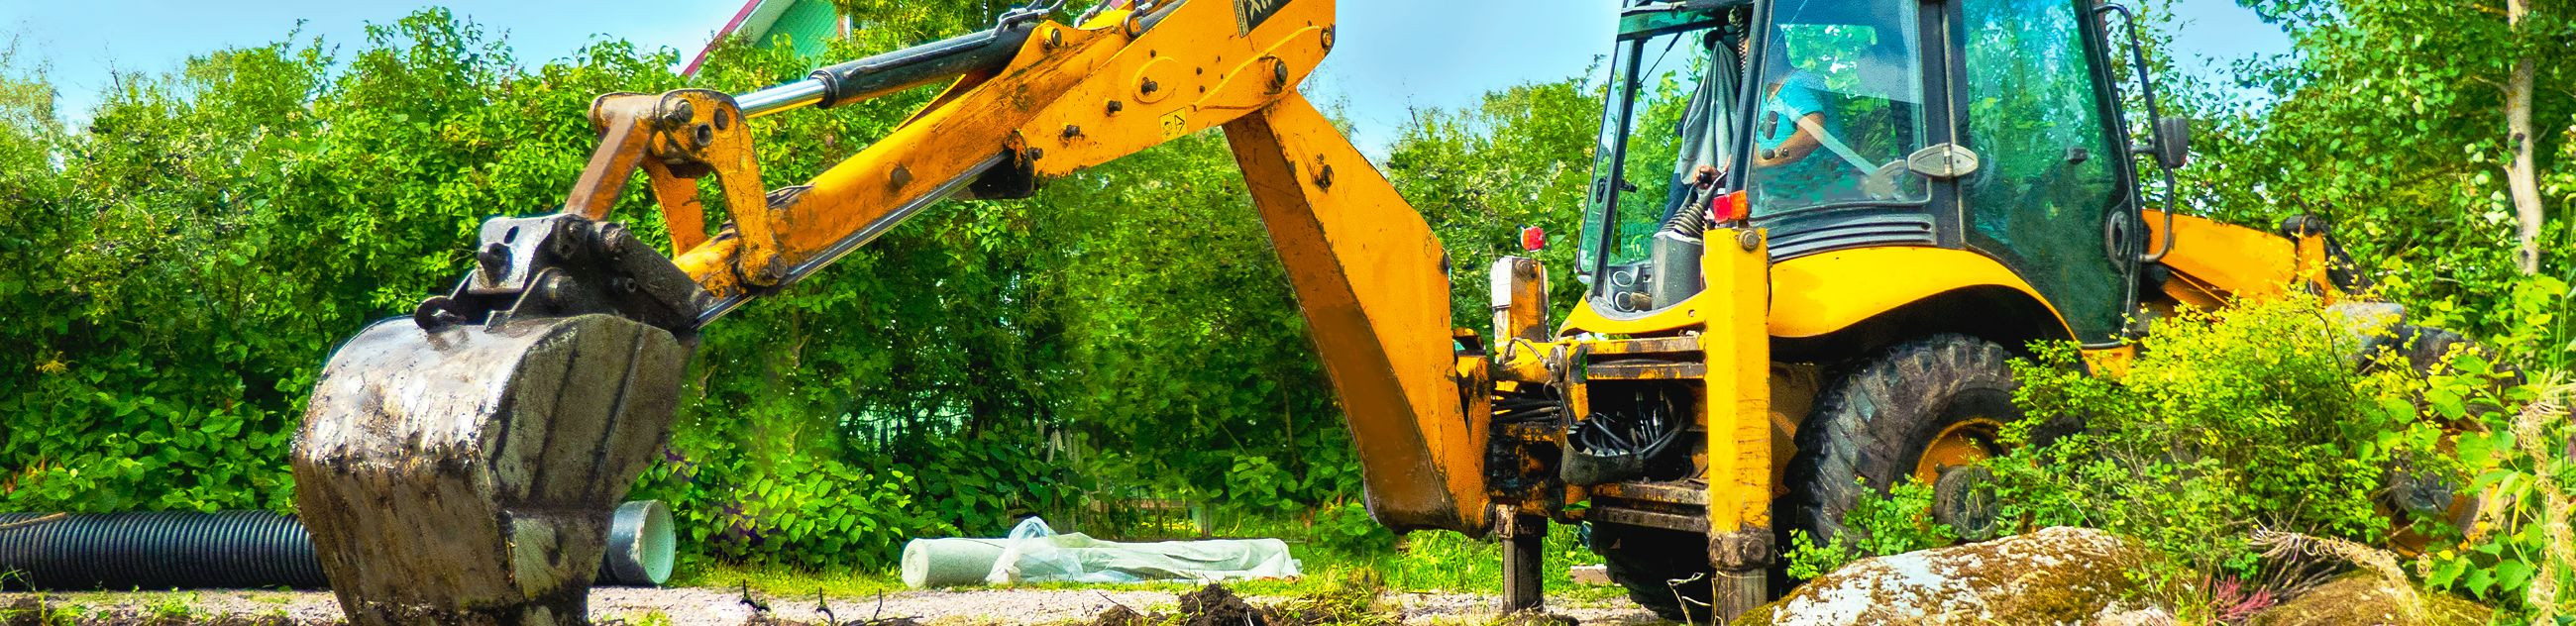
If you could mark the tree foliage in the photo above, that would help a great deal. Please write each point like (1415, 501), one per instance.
(2389, 119)
(189, 257)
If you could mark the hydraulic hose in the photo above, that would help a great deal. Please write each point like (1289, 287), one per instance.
(243, 550)
(1692, 220)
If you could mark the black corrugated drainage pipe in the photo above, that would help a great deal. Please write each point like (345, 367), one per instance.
(244, 550)
(156, 550)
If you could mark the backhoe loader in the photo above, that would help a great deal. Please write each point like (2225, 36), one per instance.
(1816, 232)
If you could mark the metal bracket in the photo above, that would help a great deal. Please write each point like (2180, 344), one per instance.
(562, 265)
(677, 138)
(1942, 161)
(1740, 550)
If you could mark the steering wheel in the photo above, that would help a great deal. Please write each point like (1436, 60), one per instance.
(1881, 184)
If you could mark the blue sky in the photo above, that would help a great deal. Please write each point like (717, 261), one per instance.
(1394, 55)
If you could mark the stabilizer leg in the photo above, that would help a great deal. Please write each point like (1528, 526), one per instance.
(1738, 591)
(1524, 539)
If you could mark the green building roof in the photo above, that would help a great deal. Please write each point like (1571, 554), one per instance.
(804, 24)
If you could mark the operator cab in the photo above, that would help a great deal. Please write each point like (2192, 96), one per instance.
(1838, 124)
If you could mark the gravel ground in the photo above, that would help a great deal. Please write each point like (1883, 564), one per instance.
(723, 607)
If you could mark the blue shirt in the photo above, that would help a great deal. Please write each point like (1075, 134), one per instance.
(1797, 98)
(1816, 178)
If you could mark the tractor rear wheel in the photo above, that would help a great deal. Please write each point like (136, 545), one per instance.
(1649, 561)
(2416, 501)
(1913, 410)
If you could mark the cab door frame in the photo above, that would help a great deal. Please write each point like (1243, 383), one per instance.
(2123, 235)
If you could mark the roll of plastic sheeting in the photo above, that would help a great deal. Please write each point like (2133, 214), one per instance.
(1035, 553)
(949, 562)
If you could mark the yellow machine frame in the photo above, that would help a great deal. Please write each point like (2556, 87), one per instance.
(1367, 270)
(1365, 267)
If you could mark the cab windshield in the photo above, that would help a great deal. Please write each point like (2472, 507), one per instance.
(1835, 105)
(1838, 107)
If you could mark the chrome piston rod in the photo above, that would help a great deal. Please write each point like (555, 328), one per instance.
(895, 71)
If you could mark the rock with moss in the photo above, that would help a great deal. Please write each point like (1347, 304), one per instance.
(2367, 598)
(2053, 576)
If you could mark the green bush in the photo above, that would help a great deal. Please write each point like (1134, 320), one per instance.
(2522, 463)
(2230, 421)
(1895, 523)
(1345, 526)
(2516, 450)
(2259, 417)
(181, 265)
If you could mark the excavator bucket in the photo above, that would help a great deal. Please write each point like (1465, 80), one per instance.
(461, 466)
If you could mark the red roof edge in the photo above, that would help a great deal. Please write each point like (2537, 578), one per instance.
(738, 17)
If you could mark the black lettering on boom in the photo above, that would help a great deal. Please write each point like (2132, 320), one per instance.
(1249, 14)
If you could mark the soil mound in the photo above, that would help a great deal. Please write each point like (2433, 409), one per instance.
(1214, 605)
(1119, 615)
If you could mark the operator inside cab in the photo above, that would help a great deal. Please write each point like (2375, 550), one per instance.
(1838, 109)
(1792, 126)
(1831, 95)
(1815, 109)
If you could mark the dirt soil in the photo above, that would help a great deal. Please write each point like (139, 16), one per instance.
(725, 607)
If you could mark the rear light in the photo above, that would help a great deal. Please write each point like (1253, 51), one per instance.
(1727, 207)
(1532, 238)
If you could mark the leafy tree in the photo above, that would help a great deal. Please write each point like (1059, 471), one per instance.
(2398, 121)
(1521, 157)
(192, 254)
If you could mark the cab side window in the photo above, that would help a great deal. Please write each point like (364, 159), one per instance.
(2048, 178)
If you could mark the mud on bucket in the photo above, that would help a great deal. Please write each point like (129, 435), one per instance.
(466, 474)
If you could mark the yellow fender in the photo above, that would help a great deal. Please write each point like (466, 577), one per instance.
(1818, 294)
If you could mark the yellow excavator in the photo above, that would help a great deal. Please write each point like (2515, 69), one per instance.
(1816, 232)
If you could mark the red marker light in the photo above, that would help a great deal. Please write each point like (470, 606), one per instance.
(1533, 238)
(1727, 207)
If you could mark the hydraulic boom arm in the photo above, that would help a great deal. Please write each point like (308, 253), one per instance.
(476, 440)
(1366, 268)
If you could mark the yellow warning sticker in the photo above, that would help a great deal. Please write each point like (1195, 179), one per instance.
(1174, 123)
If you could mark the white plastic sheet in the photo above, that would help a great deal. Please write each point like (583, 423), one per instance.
(1036, 553)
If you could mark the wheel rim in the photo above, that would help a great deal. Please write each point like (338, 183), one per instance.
(1960, 444)
(2407, 536)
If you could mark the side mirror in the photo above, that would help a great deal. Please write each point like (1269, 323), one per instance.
(2173, 141)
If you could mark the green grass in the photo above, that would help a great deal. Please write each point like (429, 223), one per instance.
(773, 580)
(1442, 561)
(1429, 561)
